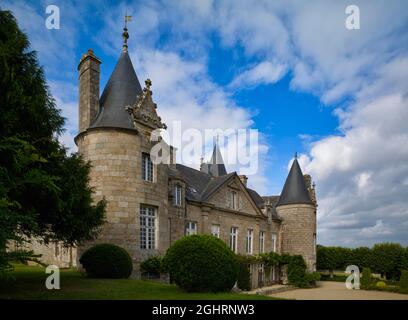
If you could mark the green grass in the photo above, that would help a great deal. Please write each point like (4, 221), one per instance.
(29, 283)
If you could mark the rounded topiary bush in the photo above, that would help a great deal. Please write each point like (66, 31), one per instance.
(107, 261)
(381, 284)
(202, 263)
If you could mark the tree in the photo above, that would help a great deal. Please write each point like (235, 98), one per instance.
(44, 190)
(361, 257)
(327, 259)
(388, 259)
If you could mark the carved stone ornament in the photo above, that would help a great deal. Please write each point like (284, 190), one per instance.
(144, 110)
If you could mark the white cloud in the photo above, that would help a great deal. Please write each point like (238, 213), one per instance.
(263, 73)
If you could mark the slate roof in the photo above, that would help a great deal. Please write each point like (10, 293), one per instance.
(121, 90)
(200, 185)
(295, 190)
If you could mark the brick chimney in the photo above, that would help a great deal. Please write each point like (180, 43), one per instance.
(244, 179)
(89, 74)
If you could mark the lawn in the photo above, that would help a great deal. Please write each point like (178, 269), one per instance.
(29, 283)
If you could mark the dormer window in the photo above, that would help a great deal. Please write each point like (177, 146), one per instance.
(147, 167)
(177, 194)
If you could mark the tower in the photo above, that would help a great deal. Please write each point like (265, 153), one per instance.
(298, 212)
(114, 136)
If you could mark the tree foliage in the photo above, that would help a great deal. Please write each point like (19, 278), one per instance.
(202, 263)
(387, 259)
(44, 190)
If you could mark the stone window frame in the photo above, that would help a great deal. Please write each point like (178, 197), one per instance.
(234, 239)
(178, 186)
(274, 242)
(249, 241)
(261, 241)
(189, 229)
(147, 168)
(148, 227)
(217, 231)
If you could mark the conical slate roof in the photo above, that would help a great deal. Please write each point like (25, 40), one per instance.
(295, 190)
(120, 91)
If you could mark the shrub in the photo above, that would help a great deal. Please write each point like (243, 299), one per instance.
(312, 278)
(380, 284)
(404, 281)
(297, 271)
(107, 261)
(202, 263)
(244, 277)
(366, 278)
(153, 265)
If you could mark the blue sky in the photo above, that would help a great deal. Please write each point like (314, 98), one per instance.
(290, 69)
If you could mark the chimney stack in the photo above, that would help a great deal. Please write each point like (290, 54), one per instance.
(244, 179)
(89, 74)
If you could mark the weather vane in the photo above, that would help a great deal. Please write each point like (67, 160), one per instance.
(125, 33)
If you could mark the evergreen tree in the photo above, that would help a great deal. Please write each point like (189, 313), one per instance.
(44, 190)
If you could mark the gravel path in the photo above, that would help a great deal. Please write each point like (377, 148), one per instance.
(330, 290)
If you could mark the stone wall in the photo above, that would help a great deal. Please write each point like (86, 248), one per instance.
(298, 231)
(116, 174)
(54, 253)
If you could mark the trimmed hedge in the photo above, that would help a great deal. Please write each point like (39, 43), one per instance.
(366, 278)
(202, 263)
(107, 261)
(387, 259)
(404, 281)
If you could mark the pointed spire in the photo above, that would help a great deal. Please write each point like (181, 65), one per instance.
(217, 167)
(125, 33)
(295, 190)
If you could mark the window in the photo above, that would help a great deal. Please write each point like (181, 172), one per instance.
(215, 230)
(177, 195)
(261, 242)
(233, 239)
(249, 238)
(273, 242)
(233, 200)
(147, 167)
(147, 227)
(191, 228)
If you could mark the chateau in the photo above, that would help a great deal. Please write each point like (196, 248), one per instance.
(150, 206)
